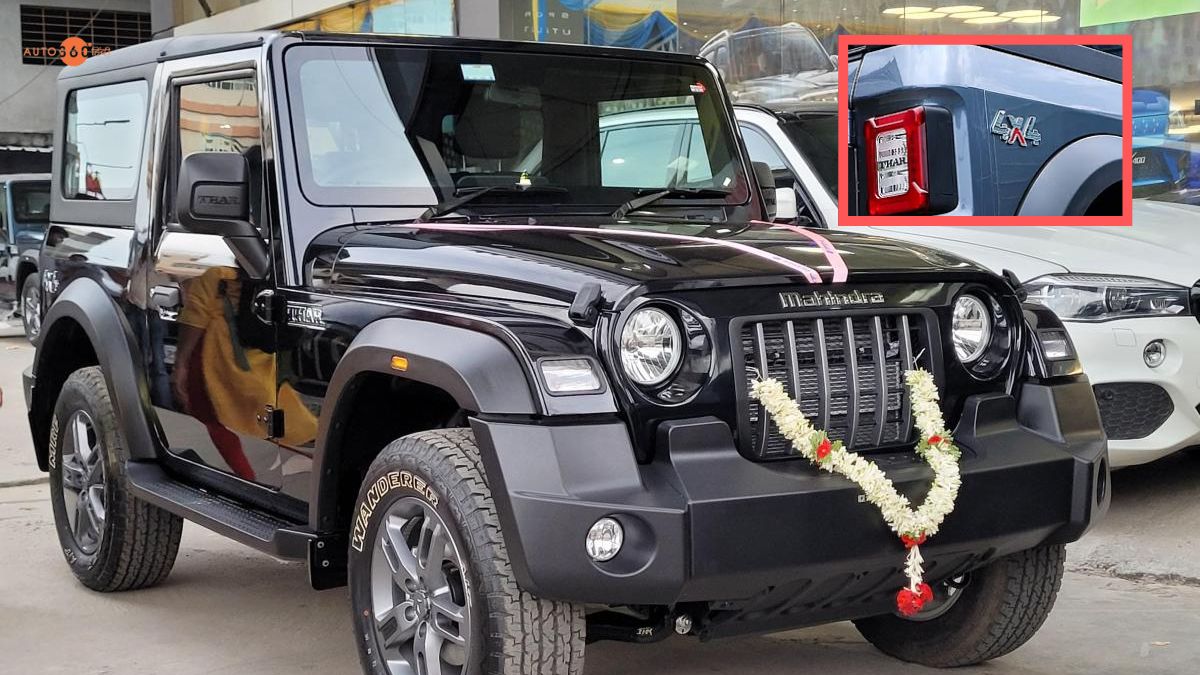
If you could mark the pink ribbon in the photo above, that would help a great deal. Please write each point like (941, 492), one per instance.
(840, 271)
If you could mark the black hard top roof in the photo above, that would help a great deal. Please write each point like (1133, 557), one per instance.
(193, 45)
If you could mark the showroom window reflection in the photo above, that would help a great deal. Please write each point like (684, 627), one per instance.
(763, 46)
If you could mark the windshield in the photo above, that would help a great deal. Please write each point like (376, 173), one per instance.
(31, 205)
(777, 51)
(403, 126)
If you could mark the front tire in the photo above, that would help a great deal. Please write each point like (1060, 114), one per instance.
(112, 540)
(430, 575)
(997, 611)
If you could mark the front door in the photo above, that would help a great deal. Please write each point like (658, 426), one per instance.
(213, 382)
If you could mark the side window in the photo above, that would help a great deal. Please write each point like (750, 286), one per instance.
(762, 149)
(102, 148)
(220, 116)
(640, 156)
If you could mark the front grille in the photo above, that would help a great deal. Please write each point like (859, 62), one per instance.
(847, 374)
(1130, 410)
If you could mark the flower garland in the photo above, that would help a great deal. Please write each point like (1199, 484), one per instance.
(936, 447)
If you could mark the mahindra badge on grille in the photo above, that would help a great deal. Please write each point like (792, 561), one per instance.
(798, 300)
(1015, 130)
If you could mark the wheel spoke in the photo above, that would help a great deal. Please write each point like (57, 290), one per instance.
(446, 617)
(73, 475)
(398, 625)
(405, 567)
(82, 518)
(96, 507)
(431, 551)
(79, 438)
(429, 652)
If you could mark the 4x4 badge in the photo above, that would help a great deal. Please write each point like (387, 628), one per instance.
(1016, 130)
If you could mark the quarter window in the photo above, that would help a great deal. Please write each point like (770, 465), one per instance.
(103, 145)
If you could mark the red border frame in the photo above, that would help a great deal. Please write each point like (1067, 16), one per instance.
(1126, 43)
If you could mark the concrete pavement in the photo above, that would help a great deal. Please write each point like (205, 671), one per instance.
(229, 609)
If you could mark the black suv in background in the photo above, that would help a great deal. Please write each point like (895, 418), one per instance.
(401, 307)
(24, 214)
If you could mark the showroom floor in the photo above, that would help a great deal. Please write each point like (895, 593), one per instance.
(228, 609)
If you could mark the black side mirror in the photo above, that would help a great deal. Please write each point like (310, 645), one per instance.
(766, 185)
(213, 197)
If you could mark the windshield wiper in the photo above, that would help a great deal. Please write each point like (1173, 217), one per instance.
(462, 197)
(646, 198)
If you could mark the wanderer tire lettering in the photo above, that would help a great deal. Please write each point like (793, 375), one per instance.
(378, 490)
(52, 454)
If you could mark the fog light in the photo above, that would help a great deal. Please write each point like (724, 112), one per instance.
(604, 540)
(1155, 353)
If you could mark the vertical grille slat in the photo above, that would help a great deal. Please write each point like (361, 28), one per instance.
(819, 350)
(760, 352)
(850, 350)
(846, 374)
(879, 352)
(906, 363)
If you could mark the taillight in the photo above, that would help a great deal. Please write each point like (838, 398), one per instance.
(897, 171)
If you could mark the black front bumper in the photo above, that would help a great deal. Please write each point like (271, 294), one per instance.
(704, 524)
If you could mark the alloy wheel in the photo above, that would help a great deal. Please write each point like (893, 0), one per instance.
(419, 596)
(83, 482)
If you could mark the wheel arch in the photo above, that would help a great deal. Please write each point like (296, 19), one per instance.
(84, 328)
(25, 267)
(452, 370)
(1075, 177)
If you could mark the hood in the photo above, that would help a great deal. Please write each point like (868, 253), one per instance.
(550, 263)
(1161, 244)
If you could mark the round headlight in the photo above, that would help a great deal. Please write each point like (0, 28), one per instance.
(970, 328)
(651, 346)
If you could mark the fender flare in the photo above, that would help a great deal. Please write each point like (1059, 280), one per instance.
(1074, 177)
(481, 373)
(88, 305)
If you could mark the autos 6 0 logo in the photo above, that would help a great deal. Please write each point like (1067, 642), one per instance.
(73, 51)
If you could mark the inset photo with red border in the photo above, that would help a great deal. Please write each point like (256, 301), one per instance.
(985, 130)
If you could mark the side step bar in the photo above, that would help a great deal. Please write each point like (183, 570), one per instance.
(326, 554)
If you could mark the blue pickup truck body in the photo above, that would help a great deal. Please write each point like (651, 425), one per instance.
(1067, 161)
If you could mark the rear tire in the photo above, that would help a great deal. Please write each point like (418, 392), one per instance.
(112, 540)
(421, 483)
(31, 305)
(1003, 605)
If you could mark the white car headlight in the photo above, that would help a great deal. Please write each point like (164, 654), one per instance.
(970, 328)
(1100, 297)
(651, 346)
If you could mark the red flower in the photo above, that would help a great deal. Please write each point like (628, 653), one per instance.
(935, 439)
(824, 448)
(909, 603)
(910, 542)
(925, 592)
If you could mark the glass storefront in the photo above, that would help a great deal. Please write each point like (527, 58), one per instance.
(755, 42)
(414, 17)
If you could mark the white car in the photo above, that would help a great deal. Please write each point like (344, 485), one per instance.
(1129, 296)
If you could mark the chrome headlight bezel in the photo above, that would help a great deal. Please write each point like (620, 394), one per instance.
(688, 374)
(1094, 298)
(967, 347)
(653, 323)
(989, 357)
